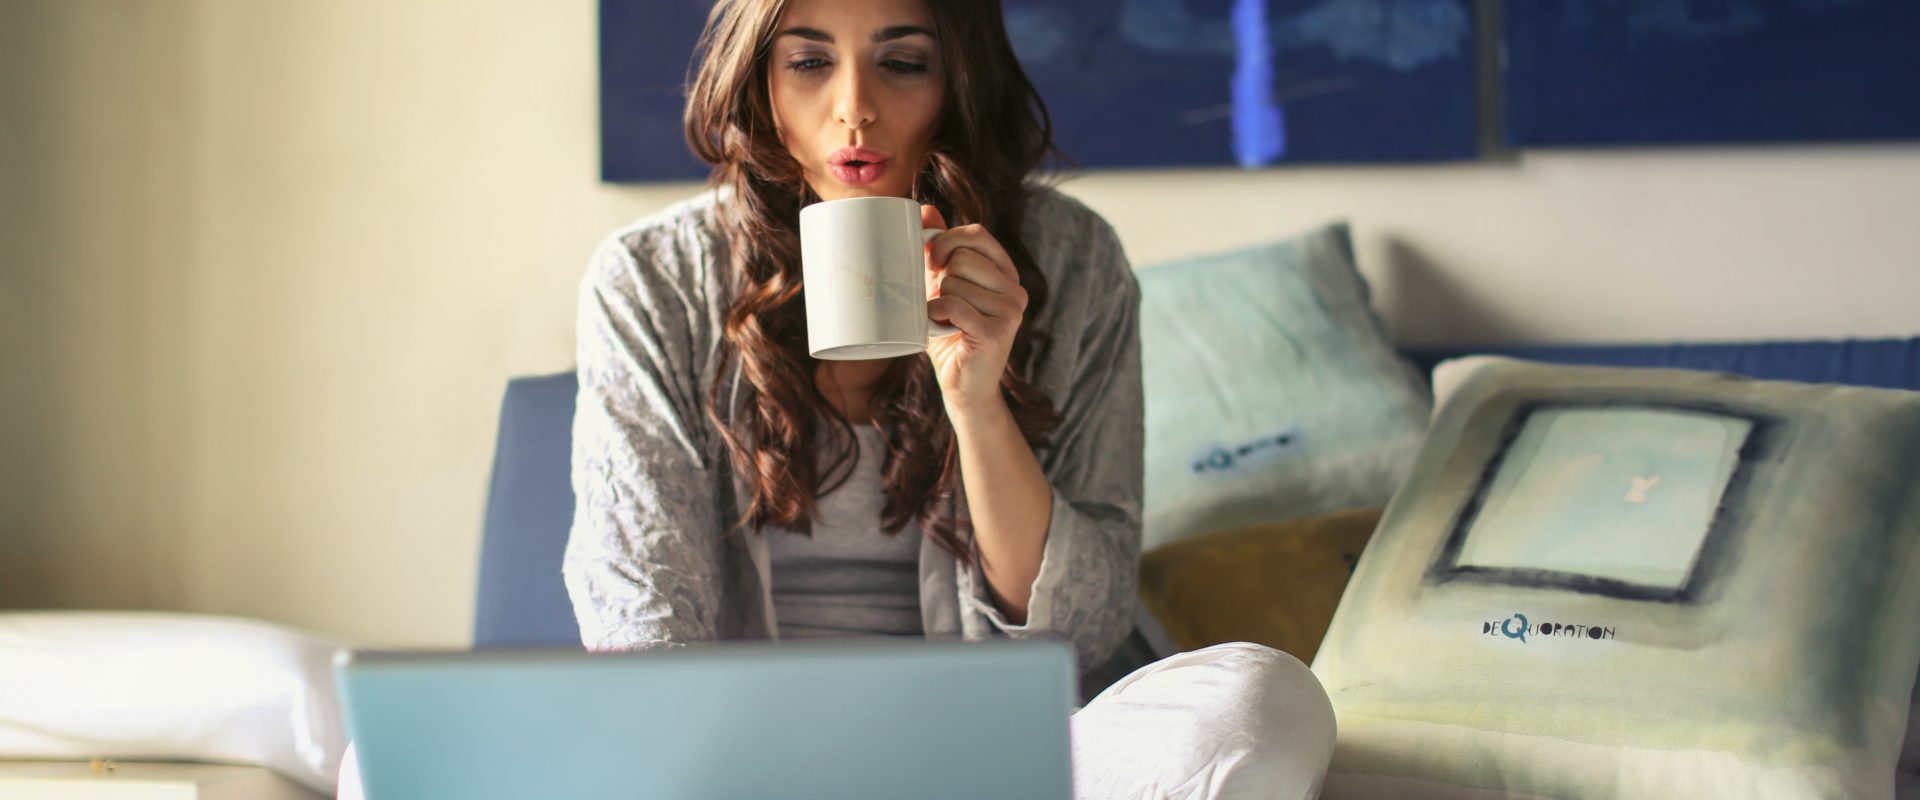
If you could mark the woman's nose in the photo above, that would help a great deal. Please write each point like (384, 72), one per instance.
(852, 104)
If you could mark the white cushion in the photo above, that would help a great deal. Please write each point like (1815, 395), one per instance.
(146, 685)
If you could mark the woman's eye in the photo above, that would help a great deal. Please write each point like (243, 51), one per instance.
(903, 67)
(807, 64)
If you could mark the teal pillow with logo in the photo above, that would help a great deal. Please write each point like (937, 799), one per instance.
(1272, 392)
(1628, 583)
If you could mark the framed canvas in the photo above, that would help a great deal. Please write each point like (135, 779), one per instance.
(1608, 72)
(1139, 83)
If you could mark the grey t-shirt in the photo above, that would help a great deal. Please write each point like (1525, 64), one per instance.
(851, 577)
(648, 562)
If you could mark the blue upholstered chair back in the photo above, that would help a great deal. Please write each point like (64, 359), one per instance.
(522, 600)
(530, 503)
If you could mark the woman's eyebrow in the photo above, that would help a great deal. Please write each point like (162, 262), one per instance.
(883, 35)
(900, 32)
(810, 34)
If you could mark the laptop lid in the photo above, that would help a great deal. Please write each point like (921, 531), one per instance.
(829, 719)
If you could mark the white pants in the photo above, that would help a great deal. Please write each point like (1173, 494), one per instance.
(1233, 720)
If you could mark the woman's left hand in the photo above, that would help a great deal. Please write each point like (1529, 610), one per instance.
(971, 285)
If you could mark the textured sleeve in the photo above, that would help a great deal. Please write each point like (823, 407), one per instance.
(1089, 565)
(643, 558)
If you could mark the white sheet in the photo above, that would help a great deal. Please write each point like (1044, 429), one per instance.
(145, 685)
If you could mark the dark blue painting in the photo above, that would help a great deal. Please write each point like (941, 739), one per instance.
(646, 47)
(1139, 83)
(1615, 72)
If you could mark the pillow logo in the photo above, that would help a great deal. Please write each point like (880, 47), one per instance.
(1637, 492)
(1518, 627)
(1506, 627)
(1230, 458)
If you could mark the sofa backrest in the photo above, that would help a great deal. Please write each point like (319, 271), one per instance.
(522, 600)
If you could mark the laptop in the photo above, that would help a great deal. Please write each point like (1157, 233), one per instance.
(839, 719)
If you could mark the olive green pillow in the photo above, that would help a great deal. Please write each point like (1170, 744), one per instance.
(1275, 583)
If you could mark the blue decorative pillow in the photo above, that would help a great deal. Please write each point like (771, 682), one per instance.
(1627, 583)
(1271, 389)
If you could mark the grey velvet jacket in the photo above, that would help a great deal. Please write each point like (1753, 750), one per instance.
(646, 563)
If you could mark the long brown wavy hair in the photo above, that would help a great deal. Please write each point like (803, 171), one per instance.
(991, 138)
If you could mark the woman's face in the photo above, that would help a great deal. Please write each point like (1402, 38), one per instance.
(857, 88)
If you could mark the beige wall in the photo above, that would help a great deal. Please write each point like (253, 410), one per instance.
(267, 267)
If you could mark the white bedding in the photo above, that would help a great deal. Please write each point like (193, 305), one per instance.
(147, 685)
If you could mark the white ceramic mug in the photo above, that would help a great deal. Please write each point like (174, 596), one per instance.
(863, 260)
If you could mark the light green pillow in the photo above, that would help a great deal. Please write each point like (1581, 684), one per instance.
(1271, 390)
(1629, 583)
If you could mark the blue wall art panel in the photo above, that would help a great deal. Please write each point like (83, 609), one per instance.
(1139, 83)
(1251, 82)
(1621, 72)
(645, 50)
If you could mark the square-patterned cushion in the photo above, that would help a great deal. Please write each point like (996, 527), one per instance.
(1632, 583)
(1271, 390)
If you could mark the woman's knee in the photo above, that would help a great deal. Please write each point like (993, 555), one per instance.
(1258, 685)
(1278, 698)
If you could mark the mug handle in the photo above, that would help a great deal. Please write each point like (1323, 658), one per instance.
(935, 328)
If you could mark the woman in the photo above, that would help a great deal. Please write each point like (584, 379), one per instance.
(696, 379)
(728, 485)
